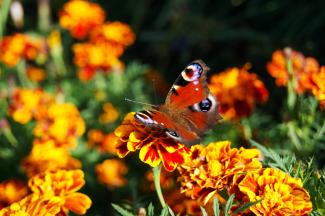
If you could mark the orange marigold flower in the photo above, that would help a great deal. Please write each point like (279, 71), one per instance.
(209, 169)
(91, 57)
(111, 172)
(12, 191)
(280, 194)
(19, 46)
(26, 104)
(34, 205)
(229, 86)
(63, 184)
(301, 68)
(62, 123)
(35, 74)
(80, 17)
(104, 142)
(45, 155)
(109, 115)
(154, 145)
(318, 85)
(113, 32)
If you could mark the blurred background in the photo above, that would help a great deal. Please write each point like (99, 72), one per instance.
(170, 34)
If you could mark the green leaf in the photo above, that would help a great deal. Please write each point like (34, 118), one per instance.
(204, 212)
(121, 210)
(246, 206)
(216, 210)
(164, 211)
(229, 204)
(151, 210)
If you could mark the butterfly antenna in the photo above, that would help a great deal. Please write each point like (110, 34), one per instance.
(138, 102)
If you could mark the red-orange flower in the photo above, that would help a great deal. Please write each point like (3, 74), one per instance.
(19, 46)
(318, 85)
(12, 191)
(34, 205)
(210, 169)
(35, 74)
(154, 145)
(300, 69)
(91, 57)
(238, 91)
(111, 172)
(279, 193)
(117, 33)
(63, 184)
(80, 17)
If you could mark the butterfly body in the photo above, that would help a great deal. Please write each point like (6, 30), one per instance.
(189, 111)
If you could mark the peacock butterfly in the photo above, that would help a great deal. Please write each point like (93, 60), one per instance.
(189, 111)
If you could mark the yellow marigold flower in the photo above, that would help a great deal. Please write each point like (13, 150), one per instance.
(12, 191)
(34, 205)
(62, 123)
(109, 115)
(113, 32)
(302, 67)
(91, 57)
(111, 172)
(35, 74)
(80, 17)
(46, 155)
(154, 145)
(15, 47)
(63, 184)
(238, 91)
(210, 169)
(26, 104)
(280, 194)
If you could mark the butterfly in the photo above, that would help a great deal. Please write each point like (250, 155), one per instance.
(189, 111)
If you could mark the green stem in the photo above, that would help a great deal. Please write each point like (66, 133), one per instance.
(4, 11)
(156, 174)
(10, 137)
(21, 72)
(293, 136)
(44, 22)
(291, 99)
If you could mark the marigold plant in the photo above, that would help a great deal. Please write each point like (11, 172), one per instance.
(20, 46)
(154, 145)
(80, 17)
(46, 155)
(112, 172)
(229, 87)
(278, 193)
(63, 184)
(62, 123)
(27, 103)
(289, 64)
(12, 190)
(34, 205)
(209, 169)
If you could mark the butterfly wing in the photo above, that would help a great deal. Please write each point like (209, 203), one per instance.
(189, 109)
(190, 87)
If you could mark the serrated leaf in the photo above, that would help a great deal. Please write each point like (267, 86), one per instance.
(121, 210)
(216, 210)
(151, 210)
(246, 206)
(164, 211)
(229, 204)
